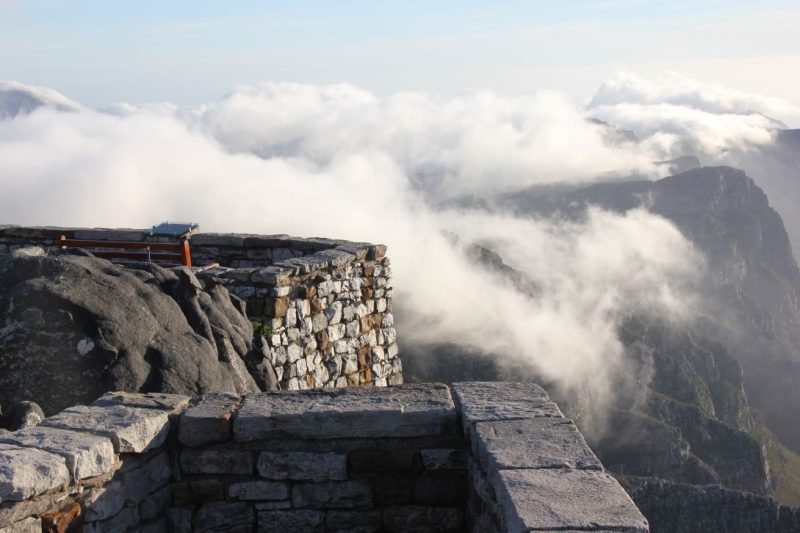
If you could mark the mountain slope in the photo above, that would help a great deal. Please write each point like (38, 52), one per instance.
(19, 99)
(752, 285)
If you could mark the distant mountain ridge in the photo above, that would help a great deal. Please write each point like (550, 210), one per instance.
(18, 99)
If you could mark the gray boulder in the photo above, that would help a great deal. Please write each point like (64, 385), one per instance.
(73, 327)
(24, 415)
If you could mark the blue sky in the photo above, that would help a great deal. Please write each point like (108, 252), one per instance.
(99, 52)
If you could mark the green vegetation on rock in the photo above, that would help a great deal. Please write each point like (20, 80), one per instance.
(784, 467)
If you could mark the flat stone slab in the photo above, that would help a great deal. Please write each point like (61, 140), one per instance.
(290, 521)
(444, 459)
(220, 461)
(424, 519)
(302, 466)
(86, 455)
(564, 499)
(332, 495)
(27, 472)
(532, 443)
(208, 420)
(172, 403)
(230, 517)
(259, 490)
(131, 429)
(358, 412)
(478, 401)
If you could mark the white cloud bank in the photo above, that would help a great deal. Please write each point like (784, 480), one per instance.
(339, 161)
(678, 115)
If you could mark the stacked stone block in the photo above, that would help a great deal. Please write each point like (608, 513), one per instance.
(349, 460)
(327, 314)
(484, 457)
(530, 468)
(327, 309)
(103, 467)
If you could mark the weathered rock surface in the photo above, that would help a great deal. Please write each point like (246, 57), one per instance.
(303, 466)
(290, 521)
(23, 415)
(532, 443)
(224, 517)
(409, 411)
(73, 327)
(101, 503)
(28, 525)
(682, 508)
(259, 490)
(86, 455)
(208, 420)
(565, 499)
(332, 495)
(217, 461)
(171, 404)
(479, 401)
(423, 519)
(26, 472)
(131, 430)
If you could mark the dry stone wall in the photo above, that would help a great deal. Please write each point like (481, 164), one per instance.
(480, 457)
(324, 306)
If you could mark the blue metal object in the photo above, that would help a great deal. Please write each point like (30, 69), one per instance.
(174, 229)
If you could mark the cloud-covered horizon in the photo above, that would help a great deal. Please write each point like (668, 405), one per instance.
(338, 161)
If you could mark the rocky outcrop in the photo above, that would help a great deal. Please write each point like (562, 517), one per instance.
(681, 508)
(74, 326)
(22, 415)
(691, 421)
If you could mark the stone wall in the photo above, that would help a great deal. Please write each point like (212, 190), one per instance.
(324, 306)
(482, 457)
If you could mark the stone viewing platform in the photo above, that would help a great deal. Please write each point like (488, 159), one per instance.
(324, 306)
(474, 457)
(342, 445)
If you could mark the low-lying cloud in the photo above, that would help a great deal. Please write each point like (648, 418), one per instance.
(339, 161)
(679, 116)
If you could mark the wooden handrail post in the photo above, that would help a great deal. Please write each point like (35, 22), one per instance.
(187, 257)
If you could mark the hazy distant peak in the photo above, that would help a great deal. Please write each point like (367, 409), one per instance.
(20, 99)
(614, 135)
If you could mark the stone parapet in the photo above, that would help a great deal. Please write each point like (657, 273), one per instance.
(322, 306)
(530, 468)
(404, 458)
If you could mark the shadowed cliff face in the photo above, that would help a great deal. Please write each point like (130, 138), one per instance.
(681, 507)
(752, 286)
(690, 421)
(74, 327)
